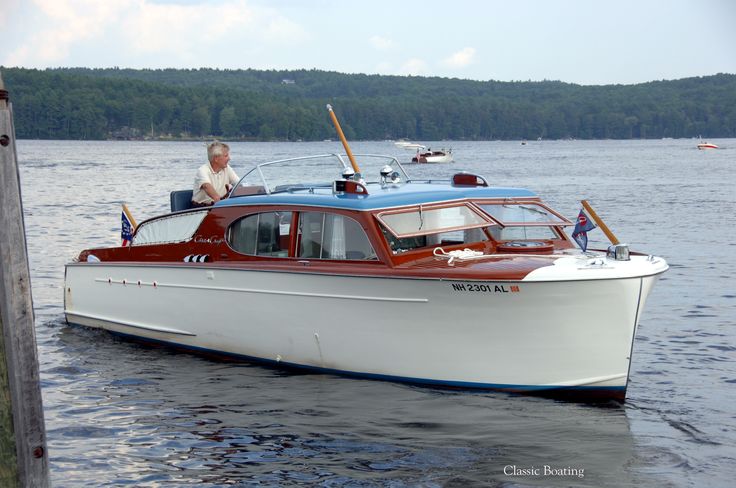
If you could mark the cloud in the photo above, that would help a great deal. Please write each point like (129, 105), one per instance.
(139, 30)
(9, 8)
(67, 22)
(460, 59)
(155, 28)
(381, 43)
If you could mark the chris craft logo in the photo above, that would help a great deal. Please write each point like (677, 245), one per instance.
(545, 470)
(209, 240)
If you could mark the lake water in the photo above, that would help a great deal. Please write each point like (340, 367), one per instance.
(122, 414)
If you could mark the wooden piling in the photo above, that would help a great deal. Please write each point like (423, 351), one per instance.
(23, 455)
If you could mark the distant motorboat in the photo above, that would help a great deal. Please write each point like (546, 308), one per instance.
(426, 155)
(409, 145)
(430, 156)
(707, 145)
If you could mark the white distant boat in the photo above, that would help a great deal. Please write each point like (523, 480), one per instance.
(707, 145)
(409, 145)
(426, 155)
(430, 156)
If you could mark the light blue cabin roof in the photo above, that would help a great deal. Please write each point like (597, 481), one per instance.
(379, 197)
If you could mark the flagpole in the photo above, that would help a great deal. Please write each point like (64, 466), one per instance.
(600, 223)
(127, 226)
(130, 216)
(344, 141)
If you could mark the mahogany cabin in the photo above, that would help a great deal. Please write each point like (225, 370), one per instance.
(358, 229)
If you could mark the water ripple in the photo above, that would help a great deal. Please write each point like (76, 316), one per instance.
(118, 414)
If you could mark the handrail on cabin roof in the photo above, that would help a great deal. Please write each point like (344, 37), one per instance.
(329, 156)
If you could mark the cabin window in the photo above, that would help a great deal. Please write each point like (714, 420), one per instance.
(422, 226)
(263, 234)
(421, 221)
(403, 244)
(523, 221)
(332, 236)
(169, 229)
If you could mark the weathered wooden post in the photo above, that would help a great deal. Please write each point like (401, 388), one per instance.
(23, 456)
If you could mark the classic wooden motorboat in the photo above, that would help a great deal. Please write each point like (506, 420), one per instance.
(433, 156)
(436, 282)
(426, 155)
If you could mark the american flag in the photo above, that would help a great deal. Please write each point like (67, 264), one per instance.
(128, 226)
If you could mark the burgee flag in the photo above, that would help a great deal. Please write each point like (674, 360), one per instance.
(127, 227)
(582, 226)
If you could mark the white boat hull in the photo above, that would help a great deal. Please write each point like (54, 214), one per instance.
(447, 158)
(438, 158)
(520, 336)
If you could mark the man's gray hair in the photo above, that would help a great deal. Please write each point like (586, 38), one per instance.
(216, 148)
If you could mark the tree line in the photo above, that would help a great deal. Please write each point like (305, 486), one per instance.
(82, 103)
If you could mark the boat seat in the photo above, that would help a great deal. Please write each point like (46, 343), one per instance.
(268, 235)
(181, 200)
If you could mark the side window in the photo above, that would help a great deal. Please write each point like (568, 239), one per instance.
(332, 236)
(263, 234)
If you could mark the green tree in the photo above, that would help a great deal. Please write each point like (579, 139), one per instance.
(82, 103)
(229, 123)
(200, 121)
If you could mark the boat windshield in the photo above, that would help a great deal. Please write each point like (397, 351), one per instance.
(523, 213)
(311, 172)
(523, 220)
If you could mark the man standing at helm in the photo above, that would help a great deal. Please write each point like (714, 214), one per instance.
(215, 179)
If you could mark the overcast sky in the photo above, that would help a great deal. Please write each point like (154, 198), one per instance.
(588, 42)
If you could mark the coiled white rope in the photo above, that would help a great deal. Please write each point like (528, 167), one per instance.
(462, 255)
(468, 254)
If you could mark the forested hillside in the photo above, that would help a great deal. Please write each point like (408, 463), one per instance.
(81, 103)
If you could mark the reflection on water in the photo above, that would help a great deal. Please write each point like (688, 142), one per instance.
(120, 414)
(160, 416)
